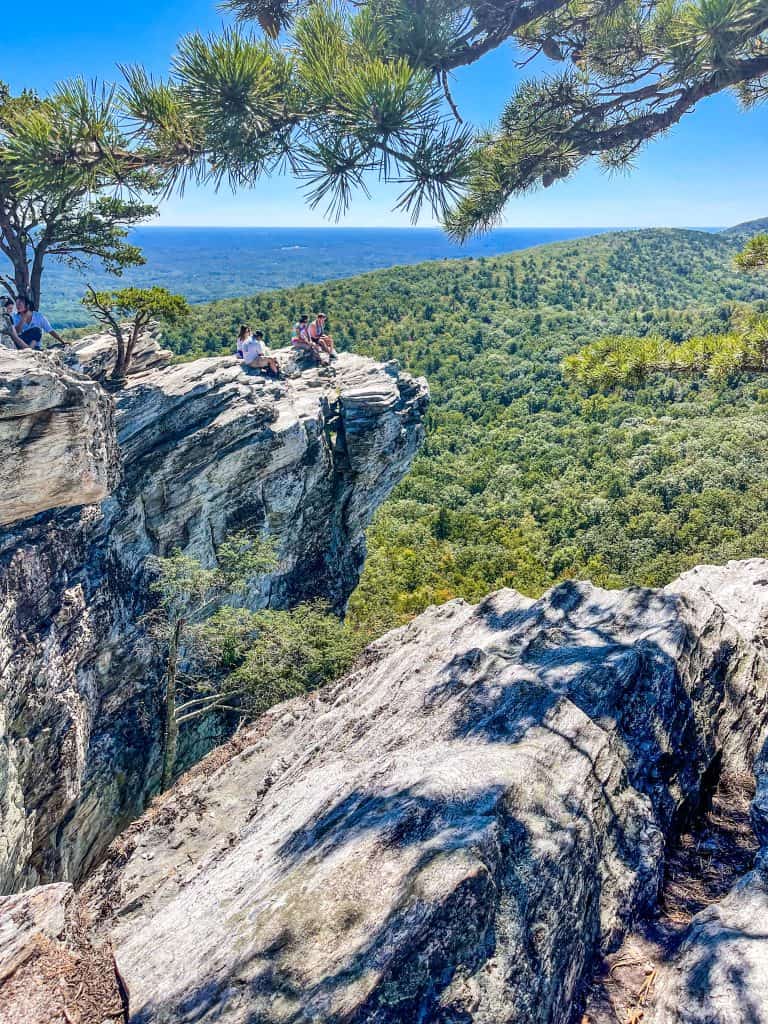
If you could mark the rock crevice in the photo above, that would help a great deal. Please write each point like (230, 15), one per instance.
(188, 454)
(454, 831)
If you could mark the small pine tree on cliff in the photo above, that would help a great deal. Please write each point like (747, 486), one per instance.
(127, 312)
(221, 658)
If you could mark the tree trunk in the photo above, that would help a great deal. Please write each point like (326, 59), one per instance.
(171, 739)
(20, 283)
(139, 324)
(9, 285)
(121, 359)
(14, 248)
(36, 274)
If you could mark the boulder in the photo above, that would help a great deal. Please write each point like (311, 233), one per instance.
(206, 449)
(453, 831)
(57, 437)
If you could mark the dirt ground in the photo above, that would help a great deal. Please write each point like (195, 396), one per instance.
(717, 849)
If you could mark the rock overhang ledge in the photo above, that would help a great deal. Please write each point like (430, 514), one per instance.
(204, 449)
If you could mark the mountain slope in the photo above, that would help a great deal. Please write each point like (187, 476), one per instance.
(525, 479)
(748, 227)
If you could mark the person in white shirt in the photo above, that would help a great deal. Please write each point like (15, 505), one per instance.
(254, 352)
(31, 325)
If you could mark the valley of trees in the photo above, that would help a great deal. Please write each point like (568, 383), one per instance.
(527, 475)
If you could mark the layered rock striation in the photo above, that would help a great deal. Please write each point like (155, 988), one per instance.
(718, 973)
(57, 436)
(209, 449)
(204, 449)
(454, 831)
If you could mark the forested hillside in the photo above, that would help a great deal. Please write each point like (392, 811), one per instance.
(526, 478)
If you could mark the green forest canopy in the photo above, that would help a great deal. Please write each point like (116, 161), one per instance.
(526, 477)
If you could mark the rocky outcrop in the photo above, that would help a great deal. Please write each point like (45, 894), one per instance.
(209, 449)
(452, 832)
(715, 969)
(56, 434)
(206, 449)
(719, 972)
(96, 353)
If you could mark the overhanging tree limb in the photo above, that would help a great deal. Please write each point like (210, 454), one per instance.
(359, 89)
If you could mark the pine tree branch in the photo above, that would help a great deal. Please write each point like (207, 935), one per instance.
(207, 710)
(448, 97)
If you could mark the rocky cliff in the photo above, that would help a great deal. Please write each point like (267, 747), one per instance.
(453, 832)
(57, 434)
(203, 449)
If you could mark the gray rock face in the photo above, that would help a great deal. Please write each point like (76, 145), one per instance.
(719, 973)
(209, 449)
(452, 832)
(206, 449)
(56, 436)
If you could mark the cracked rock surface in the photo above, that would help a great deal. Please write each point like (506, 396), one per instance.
(453, 831)
(719, 972)
(203, 449)
(56, 436)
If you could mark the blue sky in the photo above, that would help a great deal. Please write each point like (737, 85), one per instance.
(709, 170)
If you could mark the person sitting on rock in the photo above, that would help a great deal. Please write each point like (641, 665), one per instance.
(318, 335)
(31, 325)
(301, 341)
(252, 349)
(8, 336)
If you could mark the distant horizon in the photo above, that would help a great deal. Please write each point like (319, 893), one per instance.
(199, 261)
(433, 227)
(673, 182)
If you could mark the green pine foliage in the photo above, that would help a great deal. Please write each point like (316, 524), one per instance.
(76, 209)
(620, 360)
(339, 93)
(528, 476)
(269, 656)
(754, 255)
(137, 306)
